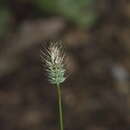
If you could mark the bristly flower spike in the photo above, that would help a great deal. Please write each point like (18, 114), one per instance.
(54, 60)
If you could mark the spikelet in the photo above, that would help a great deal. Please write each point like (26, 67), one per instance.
(54, 60)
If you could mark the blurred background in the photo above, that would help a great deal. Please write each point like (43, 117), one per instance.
(96, 35)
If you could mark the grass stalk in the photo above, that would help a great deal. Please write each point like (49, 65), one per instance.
(60, 107)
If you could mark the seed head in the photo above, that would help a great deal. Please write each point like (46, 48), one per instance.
(54, 60)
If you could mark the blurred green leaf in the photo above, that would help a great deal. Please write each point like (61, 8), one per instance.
(80, 12)
(4, 21)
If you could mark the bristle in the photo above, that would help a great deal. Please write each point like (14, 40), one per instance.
(54, 60)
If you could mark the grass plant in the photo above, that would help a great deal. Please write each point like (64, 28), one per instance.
(53, 58)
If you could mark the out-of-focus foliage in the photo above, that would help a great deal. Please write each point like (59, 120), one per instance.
(4, 21)
(80, 12)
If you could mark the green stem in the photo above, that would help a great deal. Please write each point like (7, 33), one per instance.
(60, 107)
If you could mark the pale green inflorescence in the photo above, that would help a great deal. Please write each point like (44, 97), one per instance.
(54, 59)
